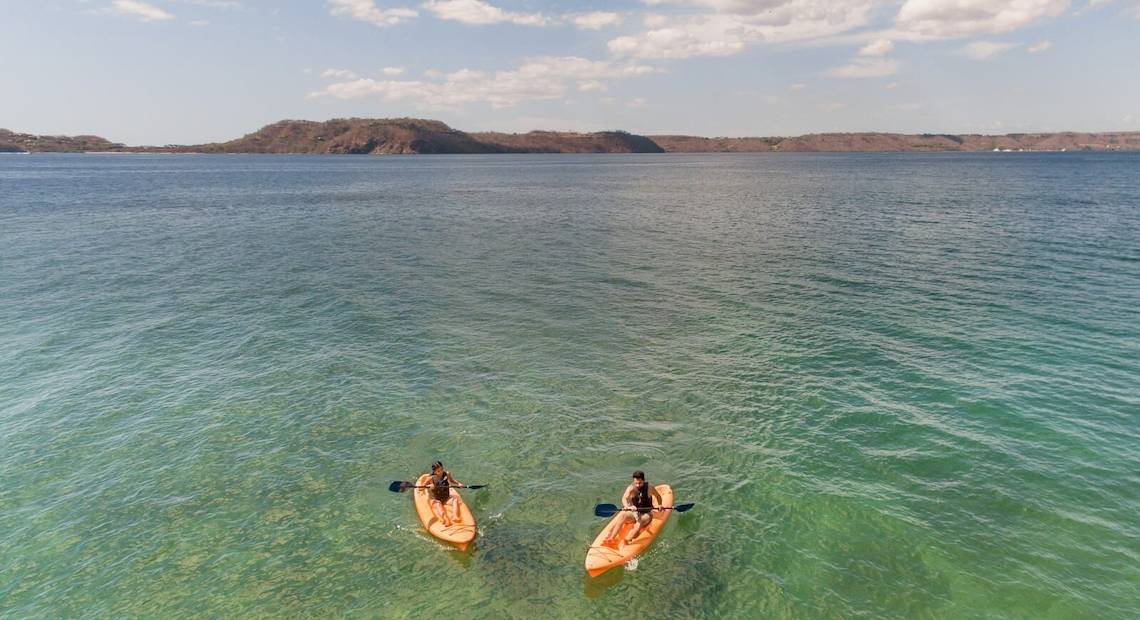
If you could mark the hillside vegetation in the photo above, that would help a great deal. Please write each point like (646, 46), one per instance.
(408, 136)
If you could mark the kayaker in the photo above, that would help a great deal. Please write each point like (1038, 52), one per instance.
(638, 501)
(439, 492)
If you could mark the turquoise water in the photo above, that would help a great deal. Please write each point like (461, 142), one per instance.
(895, 385)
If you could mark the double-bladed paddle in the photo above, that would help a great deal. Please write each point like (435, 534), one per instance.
(398, 486)
(609, 510)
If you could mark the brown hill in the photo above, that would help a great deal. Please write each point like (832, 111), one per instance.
(353, 136)
(569, 142)
(12, 142)
(405, 136)
(419, 136)
(696, 144)
(895, 142)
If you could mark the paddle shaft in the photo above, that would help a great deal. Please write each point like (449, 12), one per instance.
(450, 486)
(609, 510)
(398, 486)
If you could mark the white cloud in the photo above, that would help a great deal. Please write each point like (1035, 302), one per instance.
(199, 23)
(982, 50)
(1040, 47)
(392, 71)
(367, 11)
(892, 85)
(139, 10)
(878, 47)
(730, 26)
(940, 19)
(214, 4)
(340, 74)
(589, 86)
(481, 13)
(595, 20)
(830, 107)
(637, 102)
(798, 86)
(865, 68)
(537, 79)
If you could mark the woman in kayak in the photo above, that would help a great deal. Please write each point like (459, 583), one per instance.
(638, 502)
(439, 492)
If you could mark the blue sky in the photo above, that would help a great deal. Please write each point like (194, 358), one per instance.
(187, 71)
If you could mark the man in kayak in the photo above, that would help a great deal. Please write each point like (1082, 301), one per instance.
(638, 504)
(439, 493)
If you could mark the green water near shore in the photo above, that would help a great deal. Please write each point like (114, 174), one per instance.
(895, 386)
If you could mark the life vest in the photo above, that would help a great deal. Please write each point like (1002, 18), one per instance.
(441, 489)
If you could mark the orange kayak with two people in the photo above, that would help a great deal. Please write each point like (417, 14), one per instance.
(603, 555)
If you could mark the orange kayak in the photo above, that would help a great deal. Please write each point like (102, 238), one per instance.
(603, 556)
(462, 529)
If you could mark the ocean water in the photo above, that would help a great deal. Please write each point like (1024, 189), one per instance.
(896, 386)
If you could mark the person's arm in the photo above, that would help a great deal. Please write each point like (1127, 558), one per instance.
(653, 493)
(627, 497)
(454, 482)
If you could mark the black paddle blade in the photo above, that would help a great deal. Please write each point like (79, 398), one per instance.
(399, 487)
(682, 507)
(606, 510)
(475, 486)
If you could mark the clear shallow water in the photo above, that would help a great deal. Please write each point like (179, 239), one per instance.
(895, 385)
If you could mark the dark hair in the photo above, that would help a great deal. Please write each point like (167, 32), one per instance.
(640, 475)
(435, 464)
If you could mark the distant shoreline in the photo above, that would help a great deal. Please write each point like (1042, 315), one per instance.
(409, 136)
(773, 153)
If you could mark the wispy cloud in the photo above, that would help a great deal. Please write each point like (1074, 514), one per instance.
(138, 10)
(984, 50)
(865, 68)
(727, 27)
(595, 20)
(878, 47)
(478, 12)
(943, 19)
(214, 4)
(367, 11)
(1040, 47)
(537, 79)
(340, 74)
